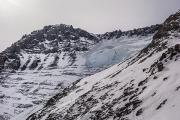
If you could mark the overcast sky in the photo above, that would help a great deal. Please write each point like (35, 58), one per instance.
(18, 17)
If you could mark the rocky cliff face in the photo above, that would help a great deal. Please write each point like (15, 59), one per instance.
(144, 87)
(57, 39)
(45, 62)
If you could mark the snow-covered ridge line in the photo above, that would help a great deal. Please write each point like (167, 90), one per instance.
(145, 87)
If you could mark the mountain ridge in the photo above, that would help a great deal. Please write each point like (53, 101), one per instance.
(57, 39)
(143, 87)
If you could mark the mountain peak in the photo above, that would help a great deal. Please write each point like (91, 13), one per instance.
(172, 23)
(58, 27)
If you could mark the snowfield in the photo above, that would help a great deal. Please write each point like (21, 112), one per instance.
(144, 87)
(30, 87)
(107, 91)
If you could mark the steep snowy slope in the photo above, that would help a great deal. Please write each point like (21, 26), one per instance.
(145, 87)
(46, 61)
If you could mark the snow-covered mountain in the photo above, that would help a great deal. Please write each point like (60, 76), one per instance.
(144, 87)
(59, 46)
(45, 62)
